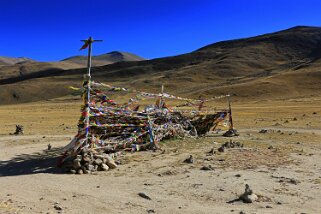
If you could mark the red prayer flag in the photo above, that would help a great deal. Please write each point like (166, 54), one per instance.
(85, 45)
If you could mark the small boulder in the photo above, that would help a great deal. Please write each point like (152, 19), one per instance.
(104, 167)
(248, 196)
(189, 160)
(110, 163)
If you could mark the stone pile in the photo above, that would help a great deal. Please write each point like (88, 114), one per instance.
(88, 162)
(230, 144)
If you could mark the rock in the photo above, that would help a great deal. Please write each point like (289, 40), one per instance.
(85, 170)
(221, 149)
(91, 167)
(19, 130)
(98, 161)
(80, 172)
(231, 133)
(49, 146)
(57, 206)
(86, 159)
(238, 175)
(270, 147)
(207, 168)
(314, 113)
(72, 171)
(76, 164)
(211, 152)
(189, 160)
(263, 131)
(104, 167)
(110, 163)
(143, 195)
(248, 196)
(151, 211)
(268, 206)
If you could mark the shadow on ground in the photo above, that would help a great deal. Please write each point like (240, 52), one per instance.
(24, 164)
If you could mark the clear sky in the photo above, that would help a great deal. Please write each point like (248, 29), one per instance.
(50, 30)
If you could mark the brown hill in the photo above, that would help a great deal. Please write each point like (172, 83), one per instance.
(281, 65)
(11, 60)
(17, 69)
(105, 59)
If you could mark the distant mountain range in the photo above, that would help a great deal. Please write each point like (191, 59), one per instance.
(22, 66)
(280, 65)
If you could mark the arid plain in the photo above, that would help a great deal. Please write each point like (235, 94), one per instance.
(282, 166)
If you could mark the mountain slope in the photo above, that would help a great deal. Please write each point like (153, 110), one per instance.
(11, 60)
(281, 65)
(105, 59)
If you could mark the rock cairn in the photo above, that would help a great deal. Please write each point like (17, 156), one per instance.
(19, 130)
(88, 162)
(248, 196)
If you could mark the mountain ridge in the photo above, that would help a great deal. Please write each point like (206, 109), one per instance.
(251, 68)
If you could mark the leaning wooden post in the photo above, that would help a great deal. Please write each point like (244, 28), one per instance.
(87, 80)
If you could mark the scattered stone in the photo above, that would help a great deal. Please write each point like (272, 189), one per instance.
(49, 147)
(268, 206)
(238, 175)
(151, 211)
(248, 196)
(295, 119)
(221, 149)
(189, 160)
(80, 172)
(314, 113)
(231, 133)
(242, 212)
(207, 168)
(263, 131)
(270, 147)
(19, 130)
(211, 152)
(230, 144)
(143, 195)
(57, 206)
(286, 121)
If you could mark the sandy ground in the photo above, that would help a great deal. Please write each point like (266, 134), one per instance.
(286, 177)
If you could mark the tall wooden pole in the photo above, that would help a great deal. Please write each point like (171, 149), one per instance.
(87, 80)
(230, 113)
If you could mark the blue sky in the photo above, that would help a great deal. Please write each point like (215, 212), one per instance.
(50, 30)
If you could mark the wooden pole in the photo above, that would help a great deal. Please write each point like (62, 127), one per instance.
(87, 80)
(230, 113)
